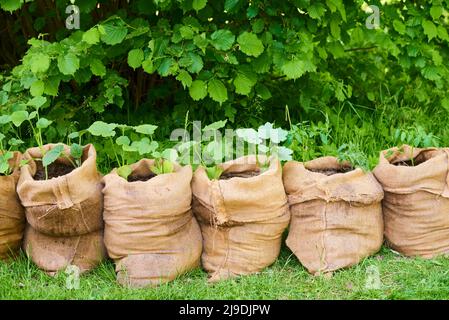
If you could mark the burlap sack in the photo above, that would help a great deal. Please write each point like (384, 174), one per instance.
(64, 212)
(150, 231)
(242, 219)
(416, 203)
(12, 216)
(53, 254)
(336, 219)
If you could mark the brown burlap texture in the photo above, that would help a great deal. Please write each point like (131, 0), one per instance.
(150, 231)
(241, 219)
(64, 213)
(12, 216)
(416, 203)
(336, 219)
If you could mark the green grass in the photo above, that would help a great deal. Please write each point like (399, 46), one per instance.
(401, 278)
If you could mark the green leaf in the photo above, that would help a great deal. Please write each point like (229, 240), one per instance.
(430, 30)
(197, 63)
(37, 102)
(217, 91)
(97, 68)
(113, 33)
(215, 126)
(135, 58)
(43, 123)
(436, 12)
(186, 32)
(144, 146)
(4, 119)
(165, 67)
(11, 5)
(103, 129)
(316, 10)
(445, 103)
(169, 154)
(431, 73)
(257, 25)
(201, 42)
(52, 86)
(250, 44)
(244, 83)
(40, 63)
(185, 78)
(214, 173)
(92, 36)
(230, 4)
(146, 129)
(76, 151)
(284, 154)
(399, 26)
(68, 64)
(124, 172)
(148, 66)
(263, 92)
(73, 135)
(123, 141)
(222, 39)
(442, 33)
(37, 88)
(296, 68)
(249, 135)
(3, 97)
(198, 90)
(197, 5)
(335, 27)
(15, 142)
(167, 167)
(52, 155)
(337, 5)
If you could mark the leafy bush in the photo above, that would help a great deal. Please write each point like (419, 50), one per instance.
(238, 59)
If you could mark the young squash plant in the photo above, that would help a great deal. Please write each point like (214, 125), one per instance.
(37, 125)
(266, 140)
(207, 154)
(6, 153)
(132, 142)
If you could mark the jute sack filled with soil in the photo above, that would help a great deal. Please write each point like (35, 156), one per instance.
(64, 211)
(12, 216)
(150, 230)
(416, 203)
(242, 217)
(336, 213)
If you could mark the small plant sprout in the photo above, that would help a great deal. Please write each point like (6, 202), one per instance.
(267, 140)
(208, 153)
(38, 125)
(6, 154)
(132, 142)
(351, 153)
(164, 161)
(416, 137)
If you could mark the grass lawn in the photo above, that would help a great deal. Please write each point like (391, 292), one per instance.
(401, 278)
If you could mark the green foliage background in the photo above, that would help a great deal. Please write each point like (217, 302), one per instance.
(152, 61)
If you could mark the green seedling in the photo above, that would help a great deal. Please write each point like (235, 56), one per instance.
(38, 124)
(350, 153)
(267, 140)
(132, 142)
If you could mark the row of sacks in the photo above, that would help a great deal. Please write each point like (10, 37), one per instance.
(159, 228)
